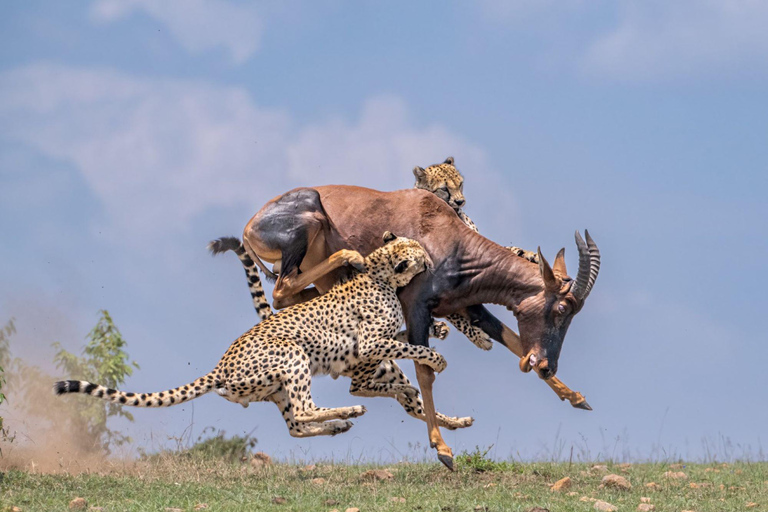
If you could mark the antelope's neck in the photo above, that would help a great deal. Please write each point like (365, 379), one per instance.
(491, 274)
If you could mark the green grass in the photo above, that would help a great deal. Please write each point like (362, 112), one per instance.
(183, 483)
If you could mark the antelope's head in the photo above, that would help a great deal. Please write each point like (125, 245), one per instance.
(543, 318)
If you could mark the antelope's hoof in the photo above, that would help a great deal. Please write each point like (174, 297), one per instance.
(582, 405)
(447, 461)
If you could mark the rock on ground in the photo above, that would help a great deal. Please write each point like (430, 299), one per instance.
(675, 475)
(604, 506)
(645, 507)
(261, 459)
(561, 485)
(352, 509)
(78, 504)
(373, 475)
(616, 482)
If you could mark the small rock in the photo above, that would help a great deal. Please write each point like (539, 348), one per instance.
(599, 468)
(318, 481)
(687, 511)
(645, 507)
(279, 500)
(201, 506)
(260, 460)
(652, 485)
(538, 509)
(331, 503)
(711, 470)
(604, 506)
(376, 474)
(675, 475)
(96, 509)
(15, 509)
(172, 509)
(751, 504)
(587, 498)
(616, 482)
(625, 465)
(397, 499)
(561, 485)
(573, 493)
(78, 504)
(488, 486)
(643, 499)
(352, 509)
(308, 469)
(675, 466)
(481, 508)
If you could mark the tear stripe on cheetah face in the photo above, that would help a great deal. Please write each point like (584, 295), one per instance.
(348, 331)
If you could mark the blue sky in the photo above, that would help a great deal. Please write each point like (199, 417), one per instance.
(133, 132)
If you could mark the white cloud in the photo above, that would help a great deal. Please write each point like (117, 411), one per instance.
(199, 25)
(158, 153)
(660, 40)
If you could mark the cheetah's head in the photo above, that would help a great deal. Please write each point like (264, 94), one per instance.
(398, 261)
(443, 180)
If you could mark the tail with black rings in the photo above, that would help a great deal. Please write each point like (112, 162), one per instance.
(166, 398)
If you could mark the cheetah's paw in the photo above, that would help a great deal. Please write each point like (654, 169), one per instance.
(339, 426)
(439, 330)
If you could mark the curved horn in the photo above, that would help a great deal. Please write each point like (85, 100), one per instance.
(589, 266)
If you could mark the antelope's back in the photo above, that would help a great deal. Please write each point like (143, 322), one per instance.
(361, 215)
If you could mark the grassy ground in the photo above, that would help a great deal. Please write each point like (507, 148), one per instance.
(478, 485)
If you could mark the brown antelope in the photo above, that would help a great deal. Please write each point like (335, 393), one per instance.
(313, 234)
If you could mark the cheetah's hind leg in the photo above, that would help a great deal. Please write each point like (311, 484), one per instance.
(309, 428)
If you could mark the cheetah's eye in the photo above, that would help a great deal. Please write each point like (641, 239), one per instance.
(400, 268)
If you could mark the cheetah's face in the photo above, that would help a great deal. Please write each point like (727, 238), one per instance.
(403, 259)
(443, 180)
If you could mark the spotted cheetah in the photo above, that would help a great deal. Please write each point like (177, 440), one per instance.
(348, 331)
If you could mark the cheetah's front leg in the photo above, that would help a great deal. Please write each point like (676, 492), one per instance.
(476, 335)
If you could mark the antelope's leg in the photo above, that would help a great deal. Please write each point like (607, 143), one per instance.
(426, 378)
(293, 283)
(509, 338)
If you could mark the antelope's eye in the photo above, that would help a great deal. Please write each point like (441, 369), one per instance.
(561, 308)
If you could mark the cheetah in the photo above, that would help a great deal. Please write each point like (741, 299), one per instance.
(348, 331)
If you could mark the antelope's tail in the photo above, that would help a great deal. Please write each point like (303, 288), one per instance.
(167, 398)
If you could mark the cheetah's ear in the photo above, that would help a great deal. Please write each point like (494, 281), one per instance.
(419, 172)
(388, 237)
(449, 160)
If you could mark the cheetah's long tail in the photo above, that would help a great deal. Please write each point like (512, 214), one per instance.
(230, 243)
(167, 398)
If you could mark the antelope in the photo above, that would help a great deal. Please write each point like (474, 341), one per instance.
(313, 235)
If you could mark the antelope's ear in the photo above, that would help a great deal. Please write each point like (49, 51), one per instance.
(559, 266)
(419, 172)
(449, 160)
(388, 237)
(550, 282)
